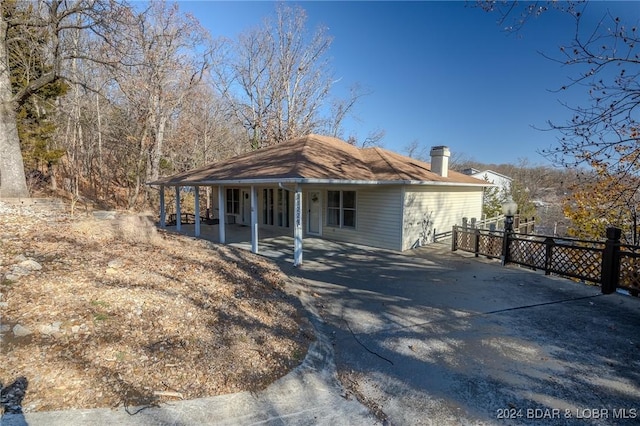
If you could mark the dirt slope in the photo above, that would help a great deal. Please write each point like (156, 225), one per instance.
(102, 313)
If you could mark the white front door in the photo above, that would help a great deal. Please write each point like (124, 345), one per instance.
(246, 207)
(314, 216)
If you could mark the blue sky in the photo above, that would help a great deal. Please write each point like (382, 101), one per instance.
(440, 73)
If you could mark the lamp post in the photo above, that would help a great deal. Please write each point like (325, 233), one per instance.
(509, 209)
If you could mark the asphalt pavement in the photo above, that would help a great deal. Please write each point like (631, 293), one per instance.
(439, 337)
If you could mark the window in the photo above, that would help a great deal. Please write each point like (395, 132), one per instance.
(283, 208)
(333, 208)
(341, 209)
(267, 196)
(233, 201)
(349, 209)
(275, 207)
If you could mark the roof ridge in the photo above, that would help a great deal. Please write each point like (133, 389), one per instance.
(300, 155)
(380, 151)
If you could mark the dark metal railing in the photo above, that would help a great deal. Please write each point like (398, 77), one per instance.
(609, 264)
(188, 218)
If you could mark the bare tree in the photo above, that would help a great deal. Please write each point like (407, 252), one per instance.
(343, 107)
(373, 139)
(276, 79)
(606, 56)
(414, 150)
(161, 64)
(205, 132)
(602, 134)
(53, 18)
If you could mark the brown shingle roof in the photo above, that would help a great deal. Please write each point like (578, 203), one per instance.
(312, 158)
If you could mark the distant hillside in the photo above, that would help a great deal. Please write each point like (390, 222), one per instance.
(545, 187)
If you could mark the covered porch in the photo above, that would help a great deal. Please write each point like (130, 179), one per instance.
(225, 229)
(321, 187)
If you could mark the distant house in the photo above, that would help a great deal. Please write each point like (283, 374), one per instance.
(324, 187)
(499, 180)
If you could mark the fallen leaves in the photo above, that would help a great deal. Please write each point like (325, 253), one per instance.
(122, 320)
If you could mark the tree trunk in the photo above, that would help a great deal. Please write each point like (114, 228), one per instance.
(12, 179)
(157, 149)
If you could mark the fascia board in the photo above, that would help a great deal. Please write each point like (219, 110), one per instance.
(227, 182)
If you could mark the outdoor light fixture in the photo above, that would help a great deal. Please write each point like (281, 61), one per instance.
(509, 209)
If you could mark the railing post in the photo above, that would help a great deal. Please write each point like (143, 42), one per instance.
(611, 261)
(476, 242)
(548, 253)
(505, 247)
(454, 238)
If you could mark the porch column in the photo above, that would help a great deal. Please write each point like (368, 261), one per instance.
(196, 209)
(297, 227)
(221, 215)
(163, 210)
(254, 220)
(178, 212)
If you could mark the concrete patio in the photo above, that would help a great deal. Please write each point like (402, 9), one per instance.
(274, 243)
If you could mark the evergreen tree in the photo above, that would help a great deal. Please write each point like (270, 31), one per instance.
(36, 126)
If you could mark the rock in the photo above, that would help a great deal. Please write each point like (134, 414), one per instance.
(50, 329)
(30, 265)
(104, 214)
(21, 331)
(115, 263)
(25, 267)
(75, 329)
(18, 272)
(20, 258)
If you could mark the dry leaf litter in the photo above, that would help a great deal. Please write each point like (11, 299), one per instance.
(106, 313)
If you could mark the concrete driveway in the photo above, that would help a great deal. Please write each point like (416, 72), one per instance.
(435, 337)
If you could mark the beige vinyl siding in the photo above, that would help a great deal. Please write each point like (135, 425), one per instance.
(429, 210)
(378, 217)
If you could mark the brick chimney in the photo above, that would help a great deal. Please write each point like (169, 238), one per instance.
(440, 160)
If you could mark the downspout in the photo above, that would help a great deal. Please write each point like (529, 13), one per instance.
(281, 186)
